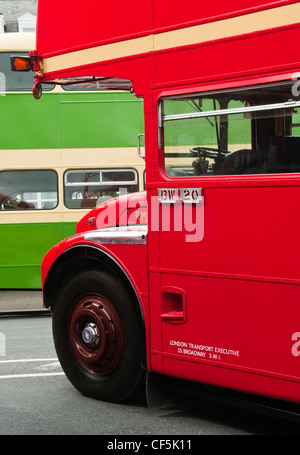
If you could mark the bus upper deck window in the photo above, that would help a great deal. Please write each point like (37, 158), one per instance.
(16, 81)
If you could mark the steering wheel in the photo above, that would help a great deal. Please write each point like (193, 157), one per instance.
(209, 152)
(201, 164)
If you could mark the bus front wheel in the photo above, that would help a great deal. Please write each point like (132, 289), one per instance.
(97, 337)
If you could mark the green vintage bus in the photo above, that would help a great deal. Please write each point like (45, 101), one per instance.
(60, 156)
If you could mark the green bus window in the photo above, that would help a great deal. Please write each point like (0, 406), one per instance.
(28, 190)
(87, 188)
(13, 80)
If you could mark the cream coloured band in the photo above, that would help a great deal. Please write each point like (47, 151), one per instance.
(226, 28)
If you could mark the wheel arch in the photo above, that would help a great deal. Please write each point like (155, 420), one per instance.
(82, 257)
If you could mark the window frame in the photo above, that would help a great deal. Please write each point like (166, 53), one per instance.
(102, 182)
(162, 118)
(35, 209)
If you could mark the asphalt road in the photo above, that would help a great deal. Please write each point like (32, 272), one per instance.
(37, 399)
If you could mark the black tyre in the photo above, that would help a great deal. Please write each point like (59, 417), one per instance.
(97, 336)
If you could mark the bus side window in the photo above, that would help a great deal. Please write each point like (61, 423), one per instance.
(254, 131)
(28, 190)
(86, 188)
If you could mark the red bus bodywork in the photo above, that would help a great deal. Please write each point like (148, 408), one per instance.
(222, 310)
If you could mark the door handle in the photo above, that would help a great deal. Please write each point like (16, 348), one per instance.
(139, 145)
(173, 305)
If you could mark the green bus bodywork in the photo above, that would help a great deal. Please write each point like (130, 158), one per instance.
(56, 121)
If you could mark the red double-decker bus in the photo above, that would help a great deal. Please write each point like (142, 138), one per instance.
(197, 280)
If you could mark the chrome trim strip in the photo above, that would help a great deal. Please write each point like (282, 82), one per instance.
(136, 236)
(241, 110)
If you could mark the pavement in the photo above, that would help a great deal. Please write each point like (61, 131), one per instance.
(21, 301)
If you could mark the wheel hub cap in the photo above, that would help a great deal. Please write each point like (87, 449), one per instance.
(96, 334)
(91, 334)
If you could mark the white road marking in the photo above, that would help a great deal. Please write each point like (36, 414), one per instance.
(30, 375)
(54, 364)
(28, 360)
(49, 366)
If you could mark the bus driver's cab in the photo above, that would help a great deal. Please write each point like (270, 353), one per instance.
(247, 131)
